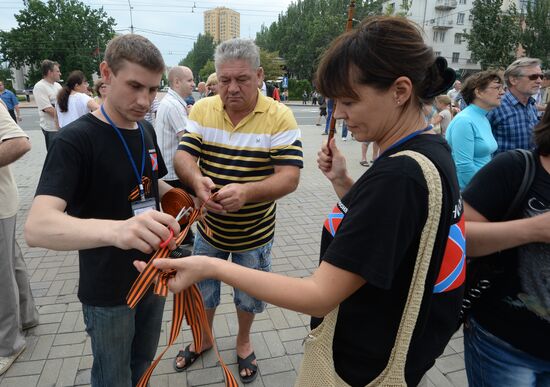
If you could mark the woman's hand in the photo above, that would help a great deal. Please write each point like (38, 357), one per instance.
(331, 162)
(189, 270)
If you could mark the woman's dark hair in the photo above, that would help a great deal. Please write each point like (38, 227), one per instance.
(478, 81)
(380, 50)
(541, 133)
(97, 87)
(75, 78)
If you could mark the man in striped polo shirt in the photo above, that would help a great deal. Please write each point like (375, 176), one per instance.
(249, 151)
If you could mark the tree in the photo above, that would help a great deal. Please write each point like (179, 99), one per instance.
(271, 64)
(202, 51)
(302, 34)
(536, 34)
(495, 34)
(5, 74)
(207, 69)
(66, 31)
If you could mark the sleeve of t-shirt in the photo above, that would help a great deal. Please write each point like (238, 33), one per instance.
(493, 188)
(8, 128)
(463, 139)
(63, 169)
(41, 97)
(14, 99)
(383, 223)
(286, 142)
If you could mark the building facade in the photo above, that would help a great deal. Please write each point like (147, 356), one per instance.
(444, 23)
(222, 24)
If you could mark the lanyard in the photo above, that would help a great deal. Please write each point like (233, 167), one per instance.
(405, 139)
(138, 176)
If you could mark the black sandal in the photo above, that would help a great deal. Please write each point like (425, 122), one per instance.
(189, 357)
(247, 364)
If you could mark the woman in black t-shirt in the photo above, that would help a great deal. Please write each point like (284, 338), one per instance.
(507, 333)
(379, 75)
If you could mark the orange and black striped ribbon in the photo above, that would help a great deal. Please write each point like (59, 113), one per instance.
(188, 303)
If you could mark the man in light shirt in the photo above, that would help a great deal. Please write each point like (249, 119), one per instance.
(45, 95)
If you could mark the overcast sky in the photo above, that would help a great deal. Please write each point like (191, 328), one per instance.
(172, 25)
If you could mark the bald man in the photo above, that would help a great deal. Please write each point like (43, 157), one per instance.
(172, 117)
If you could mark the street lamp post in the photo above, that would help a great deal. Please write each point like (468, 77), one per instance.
(131, 19)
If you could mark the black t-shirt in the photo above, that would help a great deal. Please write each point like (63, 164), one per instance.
(375, 232)
(88, 167)
(517, 306)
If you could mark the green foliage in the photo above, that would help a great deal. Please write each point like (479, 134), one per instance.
(202, 51)
(5, 74)
(495, 34)
(302, 34)
(296, 88)
(536, 35)
(207, 69)
(66, 31)
(271, 64)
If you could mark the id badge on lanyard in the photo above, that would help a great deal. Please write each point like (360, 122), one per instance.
(142, 206)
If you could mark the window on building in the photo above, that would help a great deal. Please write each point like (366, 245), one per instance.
(458, 38)
(456, 56)
(460, 18)
(437, 53)
(462, 2)
(439, 36)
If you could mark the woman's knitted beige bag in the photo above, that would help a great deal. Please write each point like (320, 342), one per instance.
(317, 367)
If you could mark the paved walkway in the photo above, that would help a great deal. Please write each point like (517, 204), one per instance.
(58, 351)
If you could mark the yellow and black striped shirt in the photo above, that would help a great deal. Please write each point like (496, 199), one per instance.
(267, 137)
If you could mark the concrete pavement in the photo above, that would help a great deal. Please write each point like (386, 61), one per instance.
(58, 350)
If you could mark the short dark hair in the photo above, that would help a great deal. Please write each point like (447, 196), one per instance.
(376, 53)
(47, 66)
(135, 49)
(541, 133)
(479, 81)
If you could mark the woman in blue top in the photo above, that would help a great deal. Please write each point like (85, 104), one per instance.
(469, 133)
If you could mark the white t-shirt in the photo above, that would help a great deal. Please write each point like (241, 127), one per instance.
(9, 200)
(76, 107)
(45, 95)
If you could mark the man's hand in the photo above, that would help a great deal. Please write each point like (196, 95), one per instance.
(203, 189)
(145, 232)
(232, 197)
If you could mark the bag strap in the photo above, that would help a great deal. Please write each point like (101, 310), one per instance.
(394, 373)
(526, 182)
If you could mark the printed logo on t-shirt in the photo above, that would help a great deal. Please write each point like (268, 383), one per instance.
(154, 160)
(453, 267)
(335, 218)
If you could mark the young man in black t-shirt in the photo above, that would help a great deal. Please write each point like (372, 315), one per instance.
(84, 201)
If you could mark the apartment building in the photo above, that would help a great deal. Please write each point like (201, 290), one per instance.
(222, 24)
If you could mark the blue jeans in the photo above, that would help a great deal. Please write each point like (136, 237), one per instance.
(259, 259)
(124, 340)
(491, 361)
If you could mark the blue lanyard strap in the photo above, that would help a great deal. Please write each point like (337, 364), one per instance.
(138, 176)
(405, 139)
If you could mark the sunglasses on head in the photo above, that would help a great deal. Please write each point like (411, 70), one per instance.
(533, 77)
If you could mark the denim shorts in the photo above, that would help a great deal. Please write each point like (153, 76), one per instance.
(491, 361)
(259, 259)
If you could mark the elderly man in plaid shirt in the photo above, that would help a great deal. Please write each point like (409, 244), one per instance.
(513, 121)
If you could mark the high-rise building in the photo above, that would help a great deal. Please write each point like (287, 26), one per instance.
(222, 24)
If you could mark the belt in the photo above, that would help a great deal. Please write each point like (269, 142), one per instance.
(188, 303)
